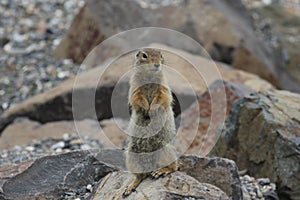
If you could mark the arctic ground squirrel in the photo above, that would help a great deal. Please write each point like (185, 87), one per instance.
(150, 152)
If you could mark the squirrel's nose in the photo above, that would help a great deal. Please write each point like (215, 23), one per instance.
(156, 65)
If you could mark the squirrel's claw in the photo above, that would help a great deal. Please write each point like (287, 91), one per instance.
(127, 192)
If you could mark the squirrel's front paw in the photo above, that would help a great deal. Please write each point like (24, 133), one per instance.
(144, 105)
(154, 106)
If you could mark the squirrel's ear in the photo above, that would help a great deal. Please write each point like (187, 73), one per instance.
(162, 58)
(137, 55)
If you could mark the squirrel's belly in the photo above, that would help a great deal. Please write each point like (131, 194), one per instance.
(149, 144)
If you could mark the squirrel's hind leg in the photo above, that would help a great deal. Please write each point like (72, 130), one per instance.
(131, 188)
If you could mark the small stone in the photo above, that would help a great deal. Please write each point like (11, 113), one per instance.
(56, 42)
(247, 178)
(69, 193)
(66, 136)
(30, 148)
(58, 150)
(76, 142)
(63, 74)
(17, 37)
(85, 147)
(263, 181)
(252, 194)
(17, 148)
(89, 187)
(5, 81)
(60, 144)
(67, 61)
(4, 155)
(273, 186)
(259, 194)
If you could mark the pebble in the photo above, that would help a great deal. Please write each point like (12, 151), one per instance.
(263, 181)
(89, 187)
(60, 144)
(30, 148)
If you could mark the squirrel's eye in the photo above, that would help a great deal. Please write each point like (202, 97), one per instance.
(145, 56)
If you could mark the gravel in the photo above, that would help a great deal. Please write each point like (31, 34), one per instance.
(47, 146)
(29, 32)
(260, 189)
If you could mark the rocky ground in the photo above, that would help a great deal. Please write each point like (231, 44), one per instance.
(261, 188)
(29, 32)
(47, 146)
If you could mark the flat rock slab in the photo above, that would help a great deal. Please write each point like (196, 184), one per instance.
(262, 135)
(173, 186)
(23, 131)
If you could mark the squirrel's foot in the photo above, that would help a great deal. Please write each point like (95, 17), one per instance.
(131, 188)
(161, 172)
(128, 190)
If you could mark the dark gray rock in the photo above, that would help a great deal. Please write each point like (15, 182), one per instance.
(51, 176)
(219, 172)
(262, 135)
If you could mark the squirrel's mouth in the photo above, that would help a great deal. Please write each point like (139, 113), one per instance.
(156, 69)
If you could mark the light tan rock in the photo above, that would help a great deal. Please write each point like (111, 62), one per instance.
(174, 186)
(110, 133)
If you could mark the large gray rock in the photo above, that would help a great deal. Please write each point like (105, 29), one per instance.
(262, 135)
(204, 21)
(218, 175)
(50, 176)
(219, 172)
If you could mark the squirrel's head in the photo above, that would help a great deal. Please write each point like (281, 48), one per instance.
(149, 59)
